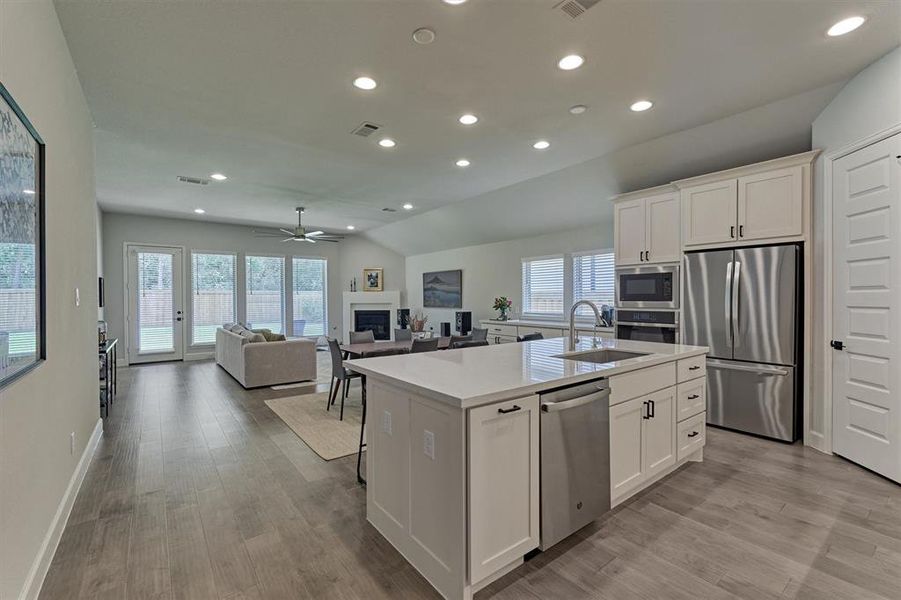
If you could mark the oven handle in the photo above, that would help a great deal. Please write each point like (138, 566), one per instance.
(654, 325)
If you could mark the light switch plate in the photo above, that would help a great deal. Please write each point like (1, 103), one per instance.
(428, 443)
(386, 422)
(77, 297)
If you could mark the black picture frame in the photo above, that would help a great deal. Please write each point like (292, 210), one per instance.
(40, 276)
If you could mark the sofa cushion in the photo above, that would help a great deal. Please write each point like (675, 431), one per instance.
(273, 337)
(237, 328)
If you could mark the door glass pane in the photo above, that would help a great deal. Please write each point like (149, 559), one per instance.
(212, 295)
(265, 292)
(155, 308)
(309, 297)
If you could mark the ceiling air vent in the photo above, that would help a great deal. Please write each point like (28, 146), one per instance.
(386, 209)
(575, 8)
(365, 129)
(194, 180)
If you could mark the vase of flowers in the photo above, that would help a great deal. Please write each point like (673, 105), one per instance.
(502, 305)
(418, 319)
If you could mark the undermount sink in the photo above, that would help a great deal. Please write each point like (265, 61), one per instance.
(603, 356)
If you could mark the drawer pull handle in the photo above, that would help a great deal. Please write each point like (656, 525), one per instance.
(514, 408)
(694, 368)
(693, 397)
(692, 434)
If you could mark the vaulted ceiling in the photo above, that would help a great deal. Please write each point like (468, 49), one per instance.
(262, 91)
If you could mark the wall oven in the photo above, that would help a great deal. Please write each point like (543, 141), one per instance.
(660, 326)
(648, 287)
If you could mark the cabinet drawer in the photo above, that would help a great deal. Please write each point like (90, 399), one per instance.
(547, 332)
(692, 398)
(691, 435)
(690, 368)
(508, 330)
(643, 381)
(500, 339)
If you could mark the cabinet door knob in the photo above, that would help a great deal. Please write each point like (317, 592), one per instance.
(693, 397)
(692, 434)
(513, 408)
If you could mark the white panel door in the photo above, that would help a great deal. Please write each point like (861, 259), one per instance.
(629, 232)
(663, 244)
(769, 204)
(155, 304)
(709, 213)
(503, 484)
(866, 292)
(658, 437)
(626, 465)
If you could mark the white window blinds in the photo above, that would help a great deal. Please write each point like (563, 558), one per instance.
(212, 295)
(542, 286)
(265, 292)
(593, 279)
(309, 296)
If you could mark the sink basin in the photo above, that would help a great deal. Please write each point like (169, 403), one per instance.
(603, 356)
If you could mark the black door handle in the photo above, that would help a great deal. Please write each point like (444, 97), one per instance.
(647, 255)
(652, 409)
(514, 408)
(692, 434)
(694, 368)
(741, 231)
(178, 318)
(693, 397)
(732, 231)
(837, 344)
(647, 412)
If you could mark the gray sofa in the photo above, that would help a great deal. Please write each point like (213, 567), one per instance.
(255, 362)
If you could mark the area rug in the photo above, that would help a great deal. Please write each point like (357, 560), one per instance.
(323, 374)
(320, 429)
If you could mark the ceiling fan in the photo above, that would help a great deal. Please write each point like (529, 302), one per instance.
(299, 234)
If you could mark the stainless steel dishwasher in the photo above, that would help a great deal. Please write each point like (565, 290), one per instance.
(575, 458)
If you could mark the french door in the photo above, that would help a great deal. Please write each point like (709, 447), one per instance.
(155, 304)
(866, 322)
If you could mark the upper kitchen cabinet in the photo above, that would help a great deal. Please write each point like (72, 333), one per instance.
(766, 202)
(646, 227)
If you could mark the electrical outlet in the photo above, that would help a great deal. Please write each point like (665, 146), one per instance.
(77, 297)
(428, 443)
(72, 443)
(386, 422)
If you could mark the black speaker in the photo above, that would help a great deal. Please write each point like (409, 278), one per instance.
(464, 322)
(445, 330)
(403, 317)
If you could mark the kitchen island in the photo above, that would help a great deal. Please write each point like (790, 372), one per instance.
(453, 444)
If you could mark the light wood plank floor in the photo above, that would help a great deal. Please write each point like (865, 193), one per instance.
(199, 491)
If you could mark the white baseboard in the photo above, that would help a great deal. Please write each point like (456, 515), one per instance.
(41, 564)
(200, 355)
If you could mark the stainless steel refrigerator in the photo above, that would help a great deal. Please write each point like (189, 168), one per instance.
(744, 304)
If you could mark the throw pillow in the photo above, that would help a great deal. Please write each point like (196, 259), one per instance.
(257, 337)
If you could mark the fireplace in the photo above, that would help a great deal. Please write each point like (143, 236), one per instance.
(377, 321)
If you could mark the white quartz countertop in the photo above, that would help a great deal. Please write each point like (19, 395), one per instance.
(580, 325)
(474, 376)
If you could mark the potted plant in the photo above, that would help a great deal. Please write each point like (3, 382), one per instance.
(502, 305)
(418, 319)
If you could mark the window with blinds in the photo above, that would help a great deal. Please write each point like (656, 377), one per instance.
(18, 307)
(542, 287)
(593, 279)
(309, 299)
(265, 284)
(212, 295)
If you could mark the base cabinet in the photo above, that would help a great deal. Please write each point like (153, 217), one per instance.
(658, 436)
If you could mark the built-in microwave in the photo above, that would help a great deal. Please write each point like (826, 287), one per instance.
(648, 287)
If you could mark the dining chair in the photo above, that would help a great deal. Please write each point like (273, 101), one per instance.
(429, 345)
(362, 337)
(470, 344)
(456, 339)
(403, 335)
(341, 377)
(530, 337)
(479, 335)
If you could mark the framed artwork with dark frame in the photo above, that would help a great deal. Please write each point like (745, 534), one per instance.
(442, 289)
(22, 275)
(373, 279)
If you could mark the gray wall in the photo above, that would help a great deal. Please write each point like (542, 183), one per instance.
(40, 411)
(345, 259)
(868, 104)
(492, 270)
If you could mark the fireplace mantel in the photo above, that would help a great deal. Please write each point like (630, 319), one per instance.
(387, 300)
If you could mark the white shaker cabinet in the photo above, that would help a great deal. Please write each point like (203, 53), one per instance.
(709, 213)
(626, 468)
(646, 228)
(658, 438)
(769, 204)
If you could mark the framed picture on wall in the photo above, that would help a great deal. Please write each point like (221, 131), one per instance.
(22, 293)
(442, 289)
(373, 279)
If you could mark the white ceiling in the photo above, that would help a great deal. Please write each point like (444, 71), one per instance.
(262, 92)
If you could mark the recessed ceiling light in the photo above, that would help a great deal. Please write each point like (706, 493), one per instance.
(468, 119)
(424, 36)
(351, 227)
(578, 109)
(387, 143)
(28, 192)
(408, 206)
(199, 211)
(573, 61)
(365, 83)
(218, 177)
(454, 2)
(641, 105)
(845, 26)
(462, 163)
(541, 145)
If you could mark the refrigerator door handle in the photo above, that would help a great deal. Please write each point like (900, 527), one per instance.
(712, 363)
(727, 302)
(734, 310)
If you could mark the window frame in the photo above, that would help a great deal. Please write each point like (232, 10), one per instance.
(284, 292)
(190, 292)
(572, 275)
(551, 316)
(325, 327)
